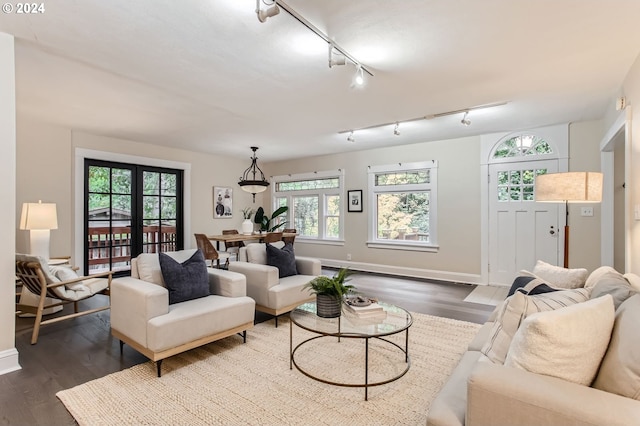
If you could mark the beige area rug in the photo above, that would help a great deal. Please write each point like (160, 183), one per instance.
(231, 383)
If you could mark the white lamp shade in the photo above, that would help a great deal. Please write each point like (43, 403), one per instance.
(572, 187)
(39, 216)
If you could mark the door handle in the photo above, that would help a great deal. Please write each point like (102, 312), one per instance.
(552, 231)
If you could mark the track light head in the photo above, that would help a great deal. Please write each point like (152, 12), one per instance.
(350, 138)
(465, 121)
(396, 129)
(335, 57)
(273, 10)
(358, 77)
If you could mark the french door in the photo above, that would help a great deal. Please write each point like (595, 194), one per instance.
(129, 209)
(521, 230)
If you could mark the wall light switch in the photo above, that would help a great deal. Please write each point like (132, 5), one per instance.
(636, 212)
(586, 211)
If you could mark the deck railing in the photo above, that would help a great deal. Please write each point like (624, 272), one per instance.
(112, 245)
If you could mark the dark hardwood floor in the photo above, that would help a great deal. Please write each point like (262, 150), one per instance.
(76, 351)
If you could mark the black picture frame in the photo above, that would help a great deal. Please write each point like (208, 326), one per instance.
(354, 201)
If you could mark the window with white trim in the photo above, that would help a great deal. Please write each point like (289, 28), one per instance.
(314, 200)
(403, 199)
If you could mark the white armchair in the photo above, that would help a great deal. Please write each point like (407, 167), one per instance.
(142, 317)
(274, 295)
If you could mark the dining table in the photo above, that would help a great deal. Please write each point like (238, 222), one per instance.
(231, 238)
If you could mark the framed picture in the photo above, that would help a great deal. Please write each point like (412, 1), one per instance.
(354, 200)
(222, 202)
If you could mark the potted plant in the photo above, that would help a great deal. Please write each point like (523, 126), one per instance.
(247, 225)
(265, 221)
(330, 292)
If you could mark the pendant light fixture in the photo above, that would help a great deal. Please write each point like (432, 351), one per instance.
(250, 181)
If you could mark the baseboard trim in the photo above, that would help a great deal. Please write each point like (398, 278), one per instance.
(405, 271)
(9, 361)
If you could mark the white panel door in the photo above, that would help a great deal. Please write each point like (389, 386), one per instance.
(521, 230)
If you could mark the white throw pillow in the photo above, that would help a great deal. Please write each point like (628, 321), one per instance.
(64, 273)
(560, 277)
(568, 343)
(257, 252)
(595, 276)
(633, 280)
(515, 309)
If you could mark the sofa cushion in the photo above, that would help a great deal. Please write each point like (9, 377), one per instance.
(284, 259)
(187, 280)
(613, 283)
(567, 343)
(620, 369)
(257, 252)
(560, 277)
(516, 308)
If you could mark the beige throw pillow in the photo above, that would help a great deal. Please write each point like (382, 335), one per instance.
(568, 343)
(515, 309)
(620, 369)
(560, 277)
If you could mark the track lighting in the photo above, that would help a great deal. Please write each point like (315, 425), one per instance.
(335, 57)
(465, 120)
(273, 10)
(396, 130)
(358, 77)
(350, 138)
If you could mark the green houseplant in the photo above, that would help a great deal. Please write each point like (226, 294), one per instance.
(330, 292)
(265, 221)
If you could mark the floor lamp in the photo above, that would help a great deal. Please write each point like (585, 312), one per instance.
(569, 187)
(39, 219)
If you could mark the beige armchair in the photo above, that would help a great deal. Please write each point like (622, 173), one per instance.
(142, 317)
(274, 295)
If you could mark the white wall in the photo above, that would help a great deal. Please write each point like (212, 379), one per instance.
(45, 165)
(584, 156)
(8, 353)
(631, 90)
(458, 209)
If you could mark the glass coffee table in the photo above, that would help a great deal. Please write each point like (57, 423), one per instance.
(393, 321)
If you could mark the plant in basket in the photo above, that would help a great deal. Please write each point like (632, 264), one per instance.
(330, 292)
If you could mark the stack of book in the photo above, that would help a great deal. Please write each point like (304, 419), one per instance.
(368, 311)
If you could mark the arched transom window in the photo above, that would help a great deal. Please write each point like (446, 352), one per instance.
(521, 146)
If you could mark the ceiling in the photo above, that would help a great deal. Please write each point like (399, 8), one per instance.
(207, 76)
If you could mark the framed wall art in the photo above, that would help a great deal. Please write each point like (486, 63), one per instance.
(354, 200)
(222, 202)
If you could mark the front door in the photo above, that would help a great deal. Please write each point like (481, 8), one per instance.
(521, 230)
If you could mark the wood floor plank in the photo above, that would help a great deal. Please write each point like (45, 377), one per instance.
(75, 351)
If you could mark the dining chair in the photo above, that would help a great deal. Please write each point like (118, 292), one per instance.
(232, 247)
(289, 239)
(209, 251)
(272, 237)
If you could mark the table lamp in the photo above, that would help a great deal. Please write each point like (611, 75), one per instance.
(569, 187)
(39, 218)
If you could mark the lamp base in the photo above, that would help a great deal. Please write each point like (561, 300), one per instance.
(39, 242)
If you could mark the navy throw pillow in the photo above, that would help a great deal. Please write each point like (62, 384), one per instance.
(284, 259)
(185, 281)
(519, 282)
